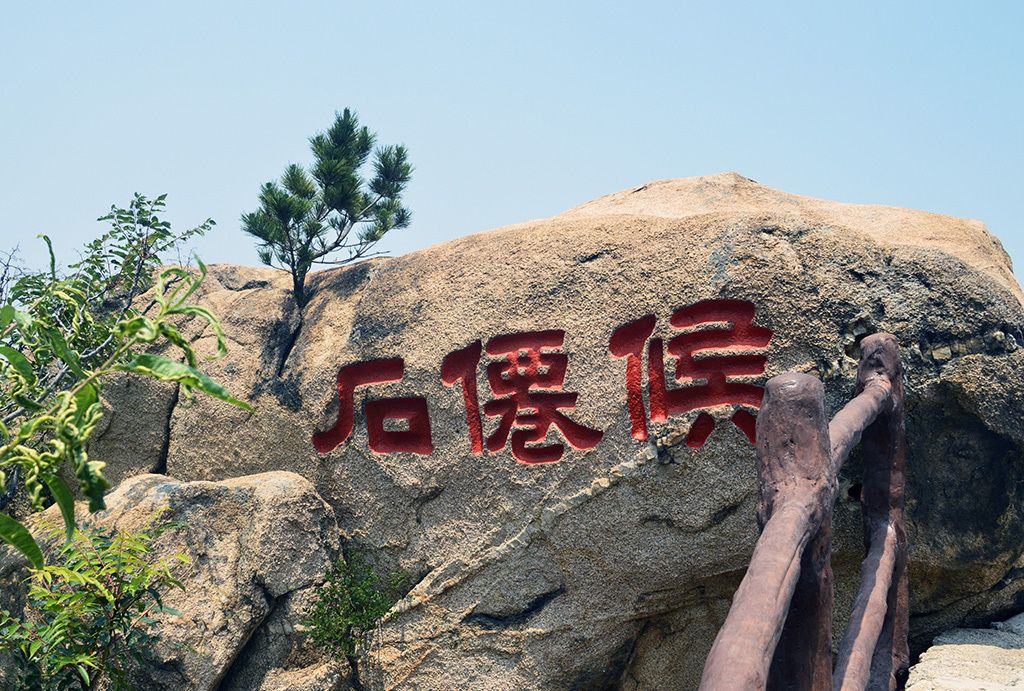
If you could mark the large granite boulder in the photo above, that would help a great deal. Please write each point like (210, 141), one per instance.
(613, 563)
(257, 547)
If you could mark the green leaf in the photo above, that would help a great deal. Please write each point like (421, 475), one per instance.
(6, 316)
(23, 320)
(211, 319)
(53, 260)
(15, 534)
(20, 363)
(27, 403)
(60, 346)
(93, 484)
(86, 398)
(65, 500)
(161, 368)
(83, 673)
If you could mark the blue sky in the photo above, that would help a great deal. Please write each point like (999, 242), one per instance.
(511, 111)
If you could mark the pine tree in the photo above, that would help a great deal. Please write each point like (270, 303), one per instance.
(310, 216)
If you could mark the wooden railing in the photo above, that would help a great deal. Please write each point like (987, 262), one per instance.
(778, 634)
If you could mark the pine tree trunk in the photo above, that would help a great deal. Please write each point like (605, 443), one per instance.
(299, 288)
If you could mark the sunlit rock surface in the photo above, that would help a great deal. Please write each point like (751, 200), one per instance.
(615, 565)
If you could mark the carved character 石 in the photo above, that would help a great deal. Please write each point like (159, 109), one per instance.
(415, 438)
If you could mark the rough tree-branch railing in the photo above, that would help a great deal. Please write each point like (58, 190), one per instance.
(779, 630)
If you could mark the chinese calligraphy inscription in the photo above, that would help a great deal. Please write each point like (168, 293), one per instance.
(715, 342)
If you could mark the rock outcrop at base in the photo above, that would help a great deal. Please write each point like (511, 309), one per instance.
(256, 547)
(973, 660)
(613, 566)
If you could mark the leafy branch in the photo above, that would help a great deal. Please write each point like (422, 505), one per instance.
(60, 337)
(90, 612)
(352, 601)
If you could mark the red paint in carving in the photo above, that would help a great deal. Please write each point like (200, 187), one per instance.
(700, 430)
(656, 380)
(628, 341)
(415, 439)
(747, 424)
(461, 366)
(716, 347)
(708, 357)
(523, 378)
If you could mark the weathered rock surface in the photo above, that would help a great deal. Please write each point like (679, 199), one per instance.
(136, 431)
(256, 545)
(615, 566)
(973, 659)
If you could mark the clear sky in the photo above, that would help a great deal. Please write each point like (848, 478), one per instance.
(511, 111)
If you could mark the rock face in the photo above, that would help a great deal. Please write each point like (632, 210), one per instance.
(256, 545)
(615, 565)
(973, 659)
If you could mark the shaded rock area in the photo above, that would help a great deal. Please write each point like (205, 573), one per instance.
(256, 546)
(614, 567)
(973, 660)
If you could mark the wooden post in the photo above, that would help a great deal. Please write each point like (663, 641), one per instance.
(795, 494)
(874, 651)
(884, 453)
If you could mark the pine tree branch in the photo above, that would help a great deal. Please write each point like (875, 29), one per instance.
(352, 258)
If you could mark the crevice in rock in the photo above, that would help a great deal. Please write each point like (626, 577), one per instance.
(611, 674)
(596, 255)
(726, 512)
(289, 345)
(355, 682)
(627, 662)
(277, 349)
(415, 580)
(716, 518)
(244, 652)
(161, 465)
(423, 499)
(492, 621)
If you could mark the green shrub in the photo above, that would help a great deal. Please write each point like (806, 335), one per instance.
(89, 610)
(352, 602)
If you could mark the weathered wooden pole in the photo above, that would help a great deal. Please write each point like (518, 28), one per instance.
(789, 574)
(874, 653)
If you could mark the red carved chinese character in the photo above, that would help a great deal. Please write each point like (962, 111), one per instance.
(524, 380)
(415, 438)
(461, 366)
(714, 349)
(628, 341)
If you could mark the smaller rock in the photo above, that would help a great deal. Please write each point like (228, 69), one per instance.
(257, 546)
(976, 659)
(1013, 625)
